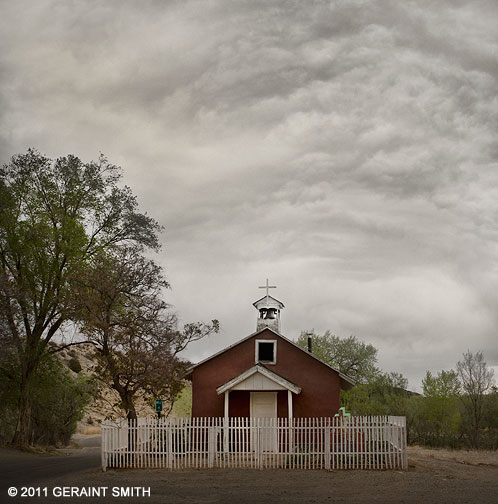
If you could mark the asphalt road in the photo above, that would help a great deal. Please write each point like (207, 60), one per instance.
(28, 469)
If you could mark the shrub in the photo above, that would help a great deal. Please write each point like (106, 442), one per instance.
(57, 401)
(74, 365)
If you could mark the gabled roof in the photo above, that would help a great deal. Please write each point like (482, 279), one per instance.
(274, 377)
(343, 377)
(271, 301)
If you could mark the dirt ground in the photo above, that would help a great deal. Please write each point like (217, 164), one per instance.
(433, 477)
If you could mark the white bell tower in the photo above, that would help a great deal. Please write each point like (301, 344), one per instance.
(268, 310)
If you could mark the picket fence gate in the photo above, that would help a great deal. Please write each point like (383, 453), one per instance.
(370, 442)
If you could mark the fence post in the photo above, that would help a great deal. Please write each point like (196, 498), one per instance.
(404, 443)
(211, 445)
(258, 444)
(225, 434)
(327, 445)
(291, 435)
(103, 448)
(170, 445)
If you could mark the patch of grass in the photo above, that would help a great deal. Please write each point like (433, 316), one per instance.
(183, 404)
(91, 430)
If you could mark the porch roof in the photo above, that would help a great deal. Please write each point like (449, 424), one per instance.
(267, 375)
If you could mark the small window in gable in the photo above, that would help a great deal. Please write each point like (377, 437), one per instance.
(266, 351)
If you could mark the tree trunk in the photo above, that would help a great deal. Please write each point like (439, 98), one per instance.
(131, 413)
(126, 396)
(29, 358)
(131, 416)
(22, 432)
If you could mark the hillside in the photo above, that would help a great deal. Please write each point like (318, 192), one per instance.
(105, 403)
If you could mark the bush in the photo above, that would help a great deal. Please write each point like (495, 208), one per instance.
(57, 401)
(74, 365)
(9, 370)
(435, 421)
(385, 394)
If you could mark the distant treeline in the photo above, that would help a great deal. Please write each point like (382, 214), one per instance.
(457, 408)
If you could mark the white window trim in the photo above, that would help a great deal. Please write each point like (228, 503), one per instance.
(256, 351)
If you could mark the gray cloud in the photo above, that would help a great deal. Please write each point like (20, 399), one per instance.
(346, 149)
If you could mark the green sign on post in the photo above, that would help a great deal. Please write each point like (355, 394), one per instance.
(159, 408)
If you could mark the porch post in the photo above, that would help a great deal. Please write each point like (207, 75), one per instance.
(225, 426)
(289, 403)
(291, 430)
(226, 405)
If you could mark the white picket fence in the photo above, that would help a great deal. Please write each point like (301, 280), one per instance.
(372, 442)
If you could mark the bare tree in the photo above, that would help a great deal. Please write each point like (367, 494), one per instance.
(476, 380)
(136, 337)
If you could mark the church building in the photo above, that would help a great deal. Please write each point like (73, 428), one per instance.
(266, 375)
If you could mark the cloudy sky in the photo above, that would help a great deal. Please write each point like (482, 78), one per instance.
(347, 150)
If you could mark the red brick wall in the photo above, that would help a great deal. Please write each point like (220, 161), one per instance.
(320, 394)
(239, 404)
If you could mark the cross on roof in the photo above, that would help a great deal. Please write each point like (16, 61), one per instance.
(267, 287)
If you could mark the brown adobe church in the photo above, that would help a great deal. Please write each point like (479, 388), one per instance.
(266, 375)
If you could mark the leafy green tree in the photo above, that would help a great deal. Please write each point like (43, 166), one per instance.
(445, 385)
(55, 216)
(349, 355)
(437, 420)
(376, 392)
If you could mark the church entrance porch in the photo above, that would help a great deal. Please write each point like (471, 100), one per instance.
(258, 393)
(255, 395)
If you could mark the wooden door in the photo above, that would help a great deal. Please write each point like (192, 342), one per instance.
(264, 405)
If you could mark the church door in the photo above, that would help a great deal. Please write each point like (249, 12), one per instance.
(264, 405)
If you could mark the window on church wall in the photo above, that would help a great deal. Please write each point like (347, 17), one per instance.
(266, 351)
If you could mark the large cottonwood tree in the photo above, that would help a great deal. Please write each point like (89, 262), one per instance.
(55, 216)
